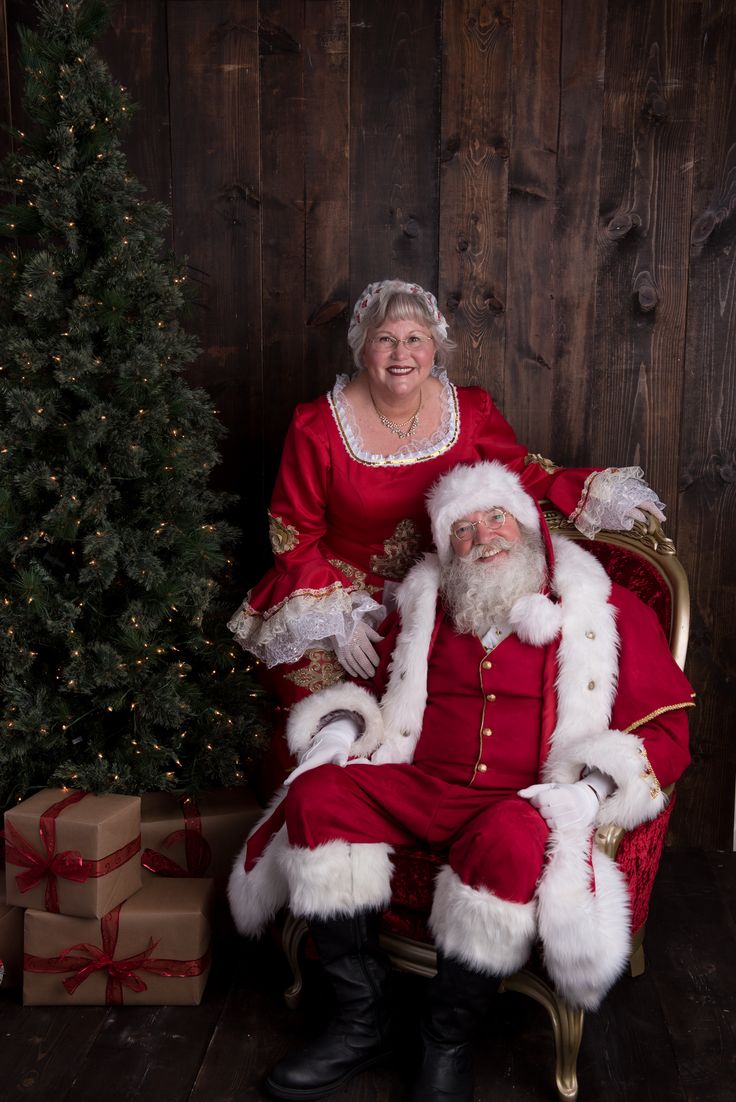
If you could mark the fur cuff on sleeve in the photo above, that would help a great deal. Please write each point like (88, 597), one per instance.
(638, 796)
(306, 716)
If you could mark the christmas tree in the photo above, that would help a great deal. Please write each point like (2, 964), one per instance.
(117, 671)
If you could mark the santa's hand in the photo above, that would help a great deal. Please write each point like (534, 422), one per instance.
(358, 656)
(563, 805)
(330, 746)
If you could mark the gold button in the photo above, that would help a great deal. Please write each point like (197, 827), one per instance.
(482, 768)
(590, 635)
(490, 696)
(487, 665)
(487, 731)
(591, 684)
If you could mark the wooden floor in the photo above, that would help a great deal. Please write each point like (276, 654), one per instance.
(669, 1035)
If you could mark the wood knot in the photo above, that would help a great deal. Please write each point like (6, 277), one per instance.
(703, 228)
(452, 147)
(645, 292)
(326, 312)
(622, 224)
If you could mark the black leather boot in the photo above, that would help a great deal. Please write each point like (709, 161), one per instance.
(357, 1036)
(458, 999)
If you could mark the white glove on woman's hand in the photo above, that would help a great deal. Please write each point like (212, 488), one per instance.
(563, 805)
(646, 505)
(329, 747)
(358, 656)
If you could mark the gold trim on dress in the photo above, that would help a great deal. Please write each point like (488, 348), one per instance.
(401, 551)
(392, 460)
(248, 610)
(284, 537)
(323, 670)
(357, 577)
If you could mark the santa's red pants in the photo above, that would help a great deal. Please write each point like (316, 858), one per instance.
(491, 838)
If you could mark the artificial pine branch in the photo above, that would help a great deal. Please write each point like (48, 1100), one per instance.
(117, 670)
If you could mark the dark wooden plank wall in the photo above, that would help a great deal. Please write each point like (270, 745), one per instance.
(563, 171)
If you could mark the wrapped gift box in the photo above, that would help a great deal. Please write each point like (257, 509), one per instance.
(183, 836)
(11, 940)
(71, 852)
(152, 950)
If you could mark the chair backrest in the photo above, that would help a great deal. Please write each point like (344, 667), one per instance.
(645, 561)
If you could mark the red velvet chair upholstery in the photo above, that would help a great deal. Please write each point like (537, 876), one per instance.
(644, 561)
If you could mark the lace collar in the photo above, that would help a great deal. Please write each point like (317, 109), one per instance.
(411, 451)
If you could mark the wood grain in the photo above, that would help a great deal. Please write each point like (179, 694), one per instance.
(648, 134)
(214, 112)
(474, 154)
(327, 191)
(530, 314)
(707, 460)
(394, 132)
(136, 51)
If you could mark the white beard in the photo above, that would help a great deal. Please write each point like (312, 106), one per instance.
(478, 595)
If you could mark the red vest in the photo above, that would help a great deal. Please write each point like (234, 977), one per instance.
(483, 720)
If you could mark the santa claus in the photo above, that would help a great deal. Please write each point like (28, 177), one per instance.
(521, 701)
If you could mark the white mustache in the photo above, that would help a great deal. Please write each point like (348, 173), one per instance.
(500, 543)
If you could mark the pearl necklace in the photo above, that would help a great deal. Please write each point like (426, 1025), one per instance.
(398, 428)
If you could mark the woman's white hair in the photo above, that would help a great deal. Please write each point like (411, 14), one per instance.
(395, 300)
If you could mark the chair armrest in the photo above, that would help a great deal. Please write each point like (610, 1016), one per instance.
(609, 837)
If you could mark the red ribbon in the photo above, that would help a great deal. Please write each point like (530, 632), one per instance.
(120, 973)
(197, 849)
(69, 864)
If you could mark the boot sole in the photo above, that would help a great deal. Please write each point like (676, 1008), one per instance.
(325, 1088)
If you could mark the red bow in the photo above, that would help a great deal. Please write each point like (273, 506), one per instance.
(70, 864)
(120, 973)
(196, 847)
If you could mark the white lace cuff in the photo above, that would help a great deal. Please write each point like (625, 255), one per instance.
(608, 500)
(305, 619)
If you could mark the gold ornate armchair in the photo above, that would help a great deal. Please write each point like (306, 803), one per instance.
(645, 561)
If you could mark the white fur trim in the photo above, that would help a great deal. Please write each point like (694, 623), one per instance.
(586, 935)
(405, 697)
(536, 619)
(257, 896)
(465, 489)
(476, 927)
(337, 879)
(588, 651)
(638, 796)
(305, 717)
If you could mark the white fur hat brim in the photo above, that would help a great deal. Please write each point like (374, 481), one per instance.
(466, 489)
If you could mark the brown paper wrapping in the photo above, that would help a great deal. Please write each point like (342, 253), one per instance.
(172, 913)
(11, 939)
(222, 818)
(95, 827)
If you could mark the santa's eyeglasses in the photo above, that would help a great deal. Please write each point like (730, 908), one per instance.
(464, 530)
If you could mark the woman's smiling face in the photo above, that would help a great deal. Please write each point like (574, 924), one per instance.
(398, 370)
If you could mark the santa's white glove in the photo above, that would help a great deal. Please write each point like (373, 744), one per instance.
(358, 656)
(563, 805)
(329, 747)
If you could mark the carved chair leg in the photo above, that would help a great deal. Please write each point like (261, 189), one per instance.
(637, 963)
(567, 1025)
(294, 932)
